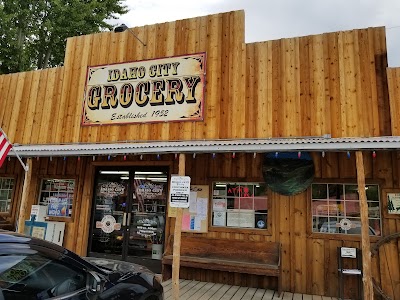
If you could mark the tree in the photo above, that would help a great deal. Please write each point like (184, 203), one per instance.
(33, 32)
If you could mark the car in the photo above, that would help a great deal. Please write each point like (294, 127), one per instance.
(36, 269)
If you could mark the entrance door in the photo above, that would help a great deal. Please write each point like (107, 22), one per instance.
(128, 219)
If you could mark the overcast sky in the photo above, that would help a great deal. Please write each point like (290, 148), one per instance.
(275, 19)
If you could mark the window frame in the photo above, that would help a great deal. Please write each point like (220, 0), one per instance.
(74, 199)
(242, 181)
(10, 213)
(341, 236)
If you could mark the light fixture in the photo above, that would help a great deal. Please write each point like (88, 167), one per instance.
(220, 184)
(148, 173)
(115, 172)
(123, 27)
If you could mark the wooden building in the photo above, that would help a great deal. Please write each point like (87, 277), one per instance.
(194, 86)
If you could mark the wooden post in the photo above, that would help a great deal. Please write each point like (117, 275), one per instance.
(23, 208)
(365, 243)
(177, 238)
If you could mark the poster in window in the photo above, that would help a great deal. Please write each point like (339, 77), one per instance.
(219, 204)
(219, 218)
(58, 207)
(243, 218)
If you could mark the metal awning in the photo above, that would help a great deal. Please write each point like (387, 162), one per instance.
(211, 146)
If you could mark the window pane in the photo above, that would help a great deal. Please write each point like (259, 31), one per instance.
(320, 208)
(352, 208)
(219, 189)
(260, 189)
(351, 192)
(373, 210)
(261, 220)
(6, 189)
(319, 191)
(335, 191)
(372, 192)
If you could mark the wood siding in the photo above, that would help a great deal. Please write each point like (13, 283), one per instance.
(333, 83)
(309, 261)
(393, 75)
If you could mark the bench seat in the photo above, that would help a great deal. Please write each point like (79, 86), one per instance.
(247, 257)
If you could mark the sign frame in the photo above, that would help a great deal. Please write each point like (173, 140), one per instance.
(116, 94)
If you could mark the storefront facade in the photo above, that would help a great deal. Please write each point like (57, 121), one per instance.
(108, 144)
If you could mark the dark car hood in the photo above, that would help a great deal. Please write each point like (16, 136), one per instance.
(121, 267)
(128, 273)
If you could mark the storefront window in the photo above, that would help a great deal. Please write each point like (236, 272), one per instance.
(6, 191)
(336, 208)
(58, 196)
(240, 205)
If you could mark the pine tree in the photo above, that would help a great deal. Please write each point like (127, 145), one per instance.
(34, 32)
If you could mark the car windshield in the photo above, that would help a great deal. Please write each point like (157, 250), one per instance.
(35, 275)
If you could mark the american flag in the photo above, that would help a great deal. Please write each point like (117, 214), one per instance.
(5, 147)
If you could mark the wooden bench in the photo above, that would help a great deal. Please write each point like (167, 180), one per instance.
(248, 257)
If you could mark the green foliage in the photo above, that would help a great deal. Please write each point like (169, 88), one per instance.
(33, 32)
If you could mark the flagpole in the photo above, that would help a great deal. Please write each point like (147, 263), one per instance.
(26, 168)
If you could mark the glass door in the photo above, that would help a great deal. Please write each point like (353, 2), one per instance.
(129, 212)
(147, 221)
(111, 199)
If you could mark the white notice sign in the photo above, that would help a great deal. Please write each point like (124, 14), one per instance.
(179, 191)
(348, 252)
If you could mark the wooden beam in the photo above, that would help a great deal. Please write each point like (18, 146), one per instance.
(23, 209)
(177, 238)
(365, 242)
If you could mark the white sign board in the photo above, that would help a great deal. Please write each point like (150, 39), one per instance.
(179, 191)
(348, 252)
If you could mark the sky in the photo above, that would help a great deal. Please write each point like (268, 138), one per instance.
(276, 19)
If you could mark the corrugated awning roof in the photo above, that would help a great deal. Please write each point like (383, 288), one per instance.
(211, 146)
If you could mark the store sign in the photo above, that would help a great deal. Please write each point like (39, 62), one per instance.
(160, 90)
(149, 190)
(108, 224)
(146, 227)
(112, 189)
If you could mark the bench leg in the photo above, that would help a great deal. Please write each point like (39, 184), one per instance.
(280, 287)
(166, 272)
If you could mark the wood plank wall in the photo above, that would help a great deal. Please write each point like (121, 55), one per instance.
(332, 83)
(393, 75)
(309, 262)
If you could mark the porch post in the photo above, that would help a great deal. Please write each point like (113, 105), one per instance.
(365, 243)
(177, 238)
(22, 215)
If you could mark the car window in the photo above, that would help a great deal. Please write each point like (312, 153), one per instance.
(35, 276)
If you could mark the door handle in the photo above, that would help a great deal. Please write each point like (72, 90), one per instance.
(129, 219)
(124, 220)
